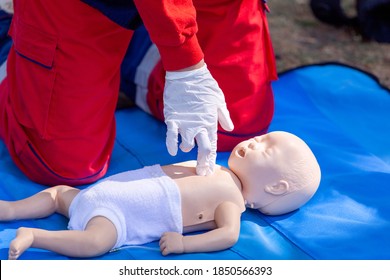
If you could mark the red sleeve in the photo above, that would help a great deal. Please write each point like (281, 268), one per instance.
(172, 27)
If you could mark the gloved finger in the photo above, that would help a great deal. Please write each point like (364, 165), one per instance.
(186, 147)
(172, 137)
(212, 157)
(187, 140)
(205, 150)
(209, 167)
(224, 118)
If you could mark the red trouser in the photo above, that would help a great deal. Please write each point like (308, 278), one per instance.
(235, 40)
(58, 101)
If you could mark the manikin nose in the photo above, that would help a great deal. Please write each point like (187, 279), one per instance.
(241, 152)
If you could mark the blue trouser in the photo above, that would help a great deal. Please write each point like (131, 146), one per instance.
(5, 40)
(139, 45)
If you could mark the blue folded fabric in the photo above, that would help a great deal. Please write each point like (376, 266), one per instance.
(341, 112)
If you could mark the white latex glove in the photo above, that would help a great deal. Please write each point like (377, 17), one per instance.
(7, 6)
(193, 105)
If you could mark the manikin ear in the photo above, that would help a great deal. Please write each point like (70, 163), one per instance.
(279, 188)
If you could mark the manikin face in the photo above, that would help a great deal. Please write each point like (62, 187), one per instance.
(264, 164)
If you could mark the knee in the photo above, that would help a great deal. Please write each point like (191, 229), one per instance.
(97, 245)
(63, 196)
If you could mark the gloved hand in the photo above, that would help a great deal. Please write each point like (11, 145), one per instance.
(193, 105)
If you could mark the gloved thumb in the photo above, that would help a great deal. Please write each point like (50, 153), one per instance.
(224, 119)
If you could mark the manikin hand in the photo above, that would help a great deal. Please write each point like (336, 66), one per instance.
(171, 242)
(193, 105)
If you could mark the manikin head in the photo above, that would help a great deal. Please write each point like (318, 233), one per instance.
(278, 171)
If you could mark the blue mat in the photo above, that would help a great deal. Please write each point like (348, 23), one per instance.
(341, 112)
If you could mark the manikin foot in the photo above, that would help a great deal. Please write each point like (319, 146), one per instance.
(23, 240)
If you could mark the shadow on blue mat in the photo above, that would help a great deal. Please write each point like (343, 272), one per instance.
(341, 112)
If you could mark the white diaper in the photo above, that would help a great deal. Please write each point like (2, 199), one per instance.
(142, 204)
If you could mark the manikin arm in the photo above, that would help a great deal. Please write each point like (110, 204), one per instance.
(227, 219)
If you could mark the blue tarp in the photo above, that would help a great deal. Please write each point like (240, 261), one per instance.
(344, 116)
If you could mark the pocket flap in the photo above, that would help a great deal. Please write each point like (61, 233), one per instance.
(33, 44)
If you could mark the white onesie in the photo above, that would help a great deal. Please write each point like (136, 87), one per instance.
(142, 204)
